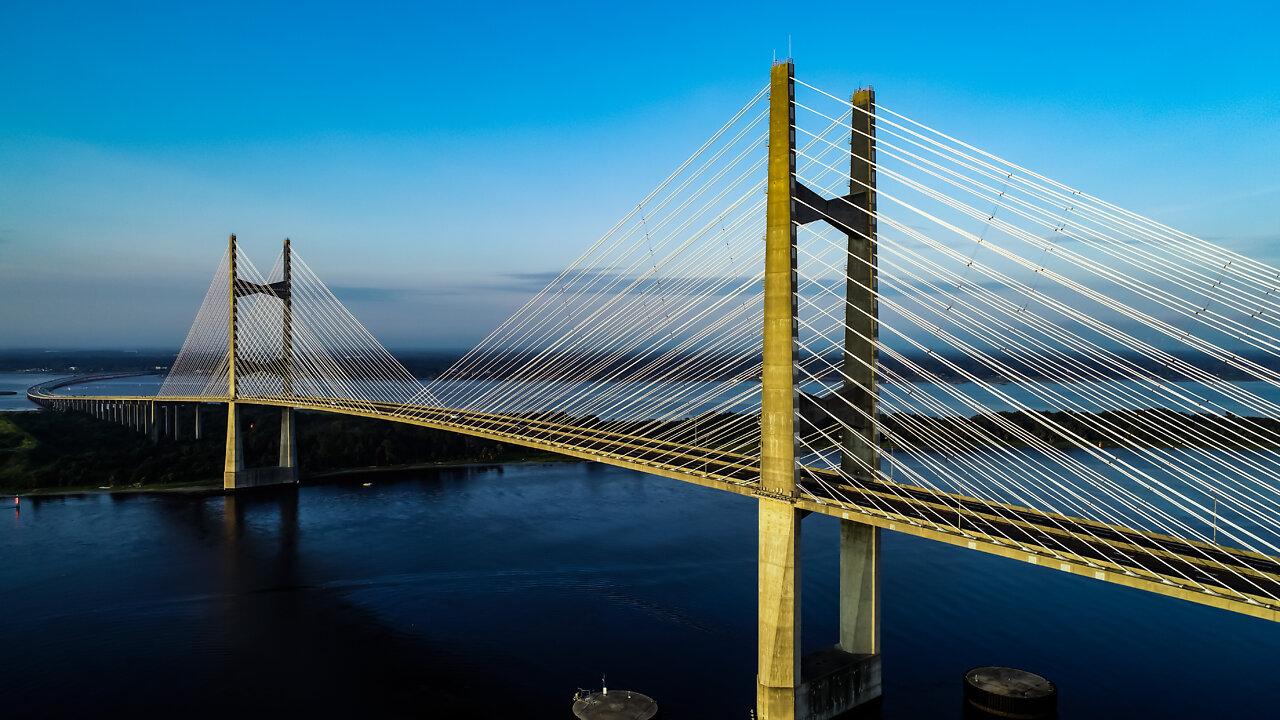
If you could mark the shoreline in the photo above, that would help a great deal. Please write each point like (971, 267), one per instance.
(197, 487)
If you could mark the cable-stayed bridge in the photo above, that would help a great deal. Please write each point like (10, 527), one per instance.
(833, 308)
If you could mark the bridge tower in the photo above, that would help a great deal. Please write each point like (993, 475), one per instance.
(831, 681)
(234, 473)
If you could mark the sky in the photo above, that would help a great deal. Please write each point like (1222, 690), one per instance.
(429, 160)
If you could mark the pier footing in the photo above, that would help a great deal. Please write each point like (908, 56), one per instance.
(616, 705)
(261, 477)
(833, 682)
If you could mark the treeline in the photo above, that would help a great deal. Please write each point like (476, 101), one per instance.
(55, 450)
(330, 442)
(63, 450)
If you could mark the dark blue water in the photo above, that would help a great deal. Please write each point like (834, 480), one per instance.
(496, 592)
(17, 383)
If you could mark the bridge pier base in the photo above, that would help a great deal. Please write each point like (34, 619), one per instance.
(235, 476)
(828, 683)
(835, 682)
(778, 622)
(842, 677)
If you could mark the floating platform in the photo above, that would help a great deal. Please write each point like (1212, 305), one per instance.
(614, 705)
(1011, 693)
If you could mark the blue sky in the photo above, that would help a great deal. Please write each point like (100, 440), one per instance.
(428, 159)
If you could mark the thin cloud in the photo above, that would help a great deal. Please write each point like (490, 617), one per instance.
(359, 294)
(349, 293)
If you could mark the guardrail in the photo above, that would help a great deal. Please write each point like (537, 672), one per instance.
(42, 394)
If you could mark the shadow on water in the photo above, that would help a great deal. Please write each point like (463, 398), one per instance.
(474, 593)
(255, 635)
(302, 647)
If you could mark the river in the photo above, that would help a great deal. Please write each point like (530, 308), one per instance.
(495, 592)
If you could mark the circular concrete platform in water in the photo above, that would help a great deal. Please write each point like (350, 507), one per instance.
(1009, 692)
(616, 705)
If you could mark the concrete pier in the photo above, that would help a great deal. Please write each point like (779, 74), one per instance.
(833, 682)
(1010, 692)
(614, 705)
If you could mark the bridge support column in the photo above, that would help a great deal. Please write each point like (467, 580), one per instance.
(859, 588)
(778, 623)
(289, 443)
(153, 432)
(233, 467)
(856, 661)
(177, 422)
(197, 421)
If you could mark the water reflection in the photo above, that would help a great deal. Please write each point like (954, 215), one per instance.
(466, 592)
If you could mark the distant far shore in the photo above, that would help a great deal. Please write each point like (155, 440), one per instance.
(429, 364)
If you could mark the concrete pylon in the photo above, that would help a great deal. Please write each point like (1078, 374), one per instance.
(778, 620)
(860, 543)
(833, 681)
(233, 467)
(235, 475)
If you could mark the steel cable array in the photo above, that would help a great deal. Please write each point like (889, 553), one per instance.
(1055, 374)
(1042, 350)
